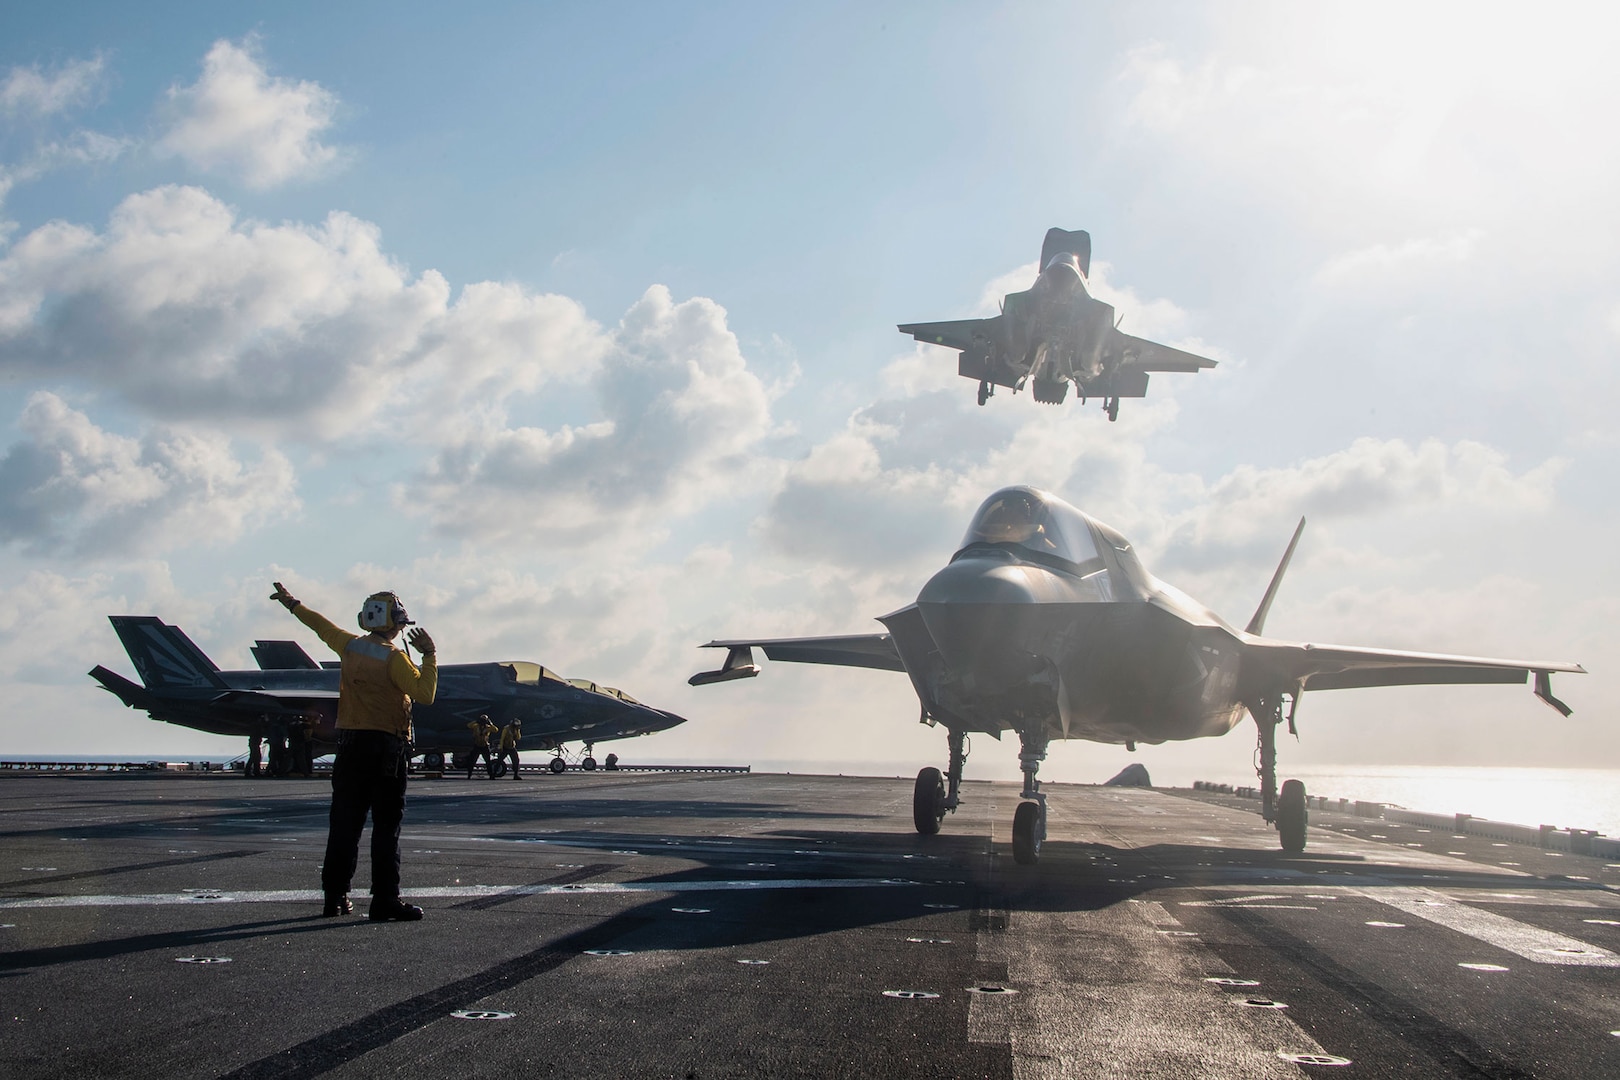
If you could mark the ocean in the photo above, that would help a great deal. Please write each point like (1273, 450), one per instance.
(1566, 798)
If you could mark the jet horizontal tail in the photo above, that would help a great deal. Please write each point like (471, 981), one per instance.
(130, 694)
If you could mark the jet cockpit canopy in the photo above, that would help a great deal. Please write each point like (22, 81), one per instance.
(1034, 520)
(527, 673)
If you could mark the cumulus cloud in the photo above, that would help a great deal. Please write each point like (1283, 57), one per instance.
(680, 419)
(188, 312)
(69, 484)
(1237, 515)
(35, 91)
(239, 120)
(893, 489)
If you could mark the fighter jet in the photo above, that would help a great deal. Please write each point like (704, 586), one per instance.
(1046, 624)
(181, 685)
(1055, 333)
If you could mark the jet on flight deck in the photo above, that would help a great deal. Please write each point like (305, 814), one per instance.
(1046, 624)
(181, 685)
(1055, 333)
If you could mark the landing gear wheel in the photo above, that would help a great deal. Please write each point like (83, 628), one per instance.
(589, 764)
(1027, 833)
(558, 765)
(984, 391)
(927, 801)
(433, 762)
(1291, 816)
(497, 768)
(1112, 405)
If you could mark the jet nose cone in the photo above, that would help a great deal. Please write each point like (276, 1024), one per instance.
(979, 581)
(667, 720)
(979, 611)
(1061, 274)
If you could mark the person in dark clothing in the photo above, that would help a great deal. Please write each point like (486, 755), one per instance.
(255, 758)
(278, 752)
(301, 762)
(375, 692)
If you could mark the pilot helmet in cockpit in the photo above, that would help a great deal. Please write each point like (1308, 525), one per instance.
(1016, 517)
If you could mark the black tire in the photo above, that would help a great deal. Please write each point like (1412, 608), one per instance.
(589, 764)
(558, 765)
(497, 768)
(432, 762)
(927, 801)
(1026, 833)
(1291, 816)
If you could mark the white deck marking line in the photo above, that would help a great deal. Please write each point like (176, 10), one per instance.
(271, 896)
(1530, 942)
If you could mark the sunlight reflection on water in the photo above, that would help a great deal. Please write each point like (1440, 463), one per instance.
(1567, 798)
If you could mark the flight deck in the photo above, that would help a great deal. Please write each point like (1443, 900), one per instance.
(756, 925)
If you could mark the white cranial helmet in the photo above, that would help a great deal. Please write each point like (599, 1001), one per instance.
(383, 611)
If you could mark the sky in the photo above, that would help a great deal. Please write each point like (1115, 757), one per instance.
(574, 325)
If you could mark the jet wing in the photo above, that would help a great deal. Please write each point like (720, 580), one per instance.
(1145, 355)
(1344, 667)
(969, 335)
(856, 650)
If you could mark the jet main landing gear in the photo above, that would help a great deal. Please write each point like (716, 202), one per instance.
(1291, 816)
(1287, 810)
(931, 799)
(928, 801)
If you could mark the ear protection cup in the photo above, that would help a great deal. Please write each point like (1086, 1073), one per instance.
(382, 611)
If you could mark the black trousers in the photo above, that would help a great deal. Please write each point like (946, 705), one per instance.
(368, 775)
(512, 753)
(472, 762)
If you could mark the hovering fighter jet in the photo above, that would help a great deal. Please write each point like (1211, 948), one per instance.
(1055, 333)
(1046, 624)
(181, 685)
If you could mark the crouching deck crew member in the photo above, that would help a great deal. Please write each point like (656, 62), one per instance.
(375, 692)
(481, 730)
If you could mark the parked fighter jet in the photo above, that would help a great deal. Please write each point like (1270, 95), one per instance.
(1055, 333)
(181, 685)
(1046, 624)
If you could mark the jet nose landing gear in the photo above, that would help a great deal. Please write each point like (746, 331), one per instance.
(1029, 829)
(1029, 820)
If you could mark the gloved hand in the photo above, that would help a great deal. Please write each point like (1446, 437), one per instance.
(420, 640)
(283, 597)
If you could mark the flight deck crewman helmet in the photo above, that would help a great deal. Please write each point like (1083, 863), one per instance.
(383, 611)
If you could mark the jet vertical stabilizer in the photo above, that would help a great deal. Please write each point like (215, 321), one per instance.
(1258, 623)
(163, 655)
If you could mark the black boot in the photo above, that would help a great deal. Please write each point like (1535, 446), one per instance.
(393, 909)
(337, 904)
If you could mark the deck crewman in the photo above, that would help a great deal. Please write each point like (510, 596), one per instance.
(481, 729)
(511, 734)
(377, 686)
